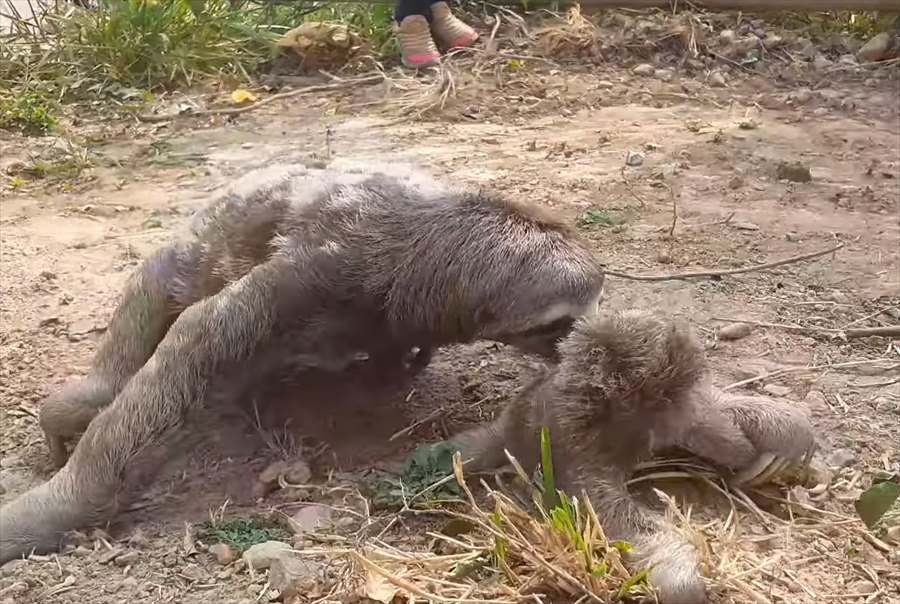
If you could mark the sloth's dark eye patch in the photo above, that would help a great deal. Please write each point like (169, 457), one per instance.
(561, 325)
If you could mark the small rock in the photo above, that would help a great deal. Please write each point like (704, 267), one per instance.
(735, 331)
(605, 84)
(848, 60)
(793, 171)
(801, 96)
(776, 390)
(816, 402)
(746, 226)
(837, 297)
(717, 80)
(893, 534)
(727, 36)
(127, 559)
(261, 555)
(130, 582)
(193, 572)
(223, 552)
(110, 555)
(736, 182)
(665, 75)
(772, 41)
(876, 49)
(821, 62)
(82, 552)
(792, 236)
(644, 69)
(862, 588)
(311, 518)
(634, 159)
(841, 458)
(246, 145)
(138, 539)
(294, 576)
(664, 257)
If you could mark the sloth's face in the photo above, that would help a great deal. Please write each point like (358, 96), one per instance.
(542, 339)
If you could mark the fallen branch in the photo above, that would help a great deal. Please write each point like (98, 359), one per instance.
(802, 369)
(365, 80)
(860, 332)
(708, 273)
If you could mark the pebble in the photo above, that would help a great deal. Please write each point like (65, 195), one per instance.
(735, 331)
(816, 402)
(312, 518)
(666, 75)
(792, 236)
(801, 96)
(875, 49)
(727, 36)
(841, 458)
(223, 552)
(261, 555)
(717, 80)
(634, 159)
(736, 182)
(82, 551)
(863, 588)
(644, 69)
(294, 576)
(605, 84)
(746, 226)
(776, 390)
(793, 171)
(193, 572)
(127, 559)
(822, 62)
(893, 534)
(837, 297)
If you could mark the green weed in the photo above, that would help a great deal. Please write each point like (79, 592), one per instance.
(428, 465)
(29, 113)
(240, 533)
(600, 218)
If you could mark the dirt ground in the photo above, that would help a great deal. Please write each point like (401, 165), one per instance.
(67, 250)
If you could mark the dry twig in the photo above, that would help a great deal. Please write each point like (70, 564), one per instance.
(889, 331)
(712, 273)
(360, 81)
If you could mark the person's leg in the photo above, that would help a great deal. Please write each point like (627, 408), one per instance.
(449, 31)
(413, 31)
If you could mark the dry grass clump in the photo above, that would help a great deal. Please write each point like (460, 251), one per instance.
(505, 553)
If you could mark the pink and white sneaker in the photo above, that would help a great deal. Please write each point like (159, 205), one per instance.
(417, 47)
(448, 30)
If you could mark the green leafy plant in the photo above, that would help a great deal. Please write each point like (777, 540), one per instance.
(427, 466)
(29, 113)
(241, 533)
(600, 218)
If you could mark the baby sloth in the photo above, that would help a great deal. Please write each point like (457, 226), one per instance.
(627, 386)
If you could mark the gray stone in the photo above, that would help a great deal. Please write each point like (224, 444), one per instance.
(863, 588)
(223, 552)
(876, 49)
(312, 518)
(735, 331)
(841, 458)
(292, 577)
(717, 80)
(127, 559)
(261, 555)
(644, 69)
(666, 75)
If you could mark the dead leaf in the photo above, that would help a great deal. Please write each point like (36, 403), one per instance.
(380, 589)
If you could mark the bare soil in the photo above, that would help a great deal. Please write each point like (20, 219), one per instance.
(67, 250)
